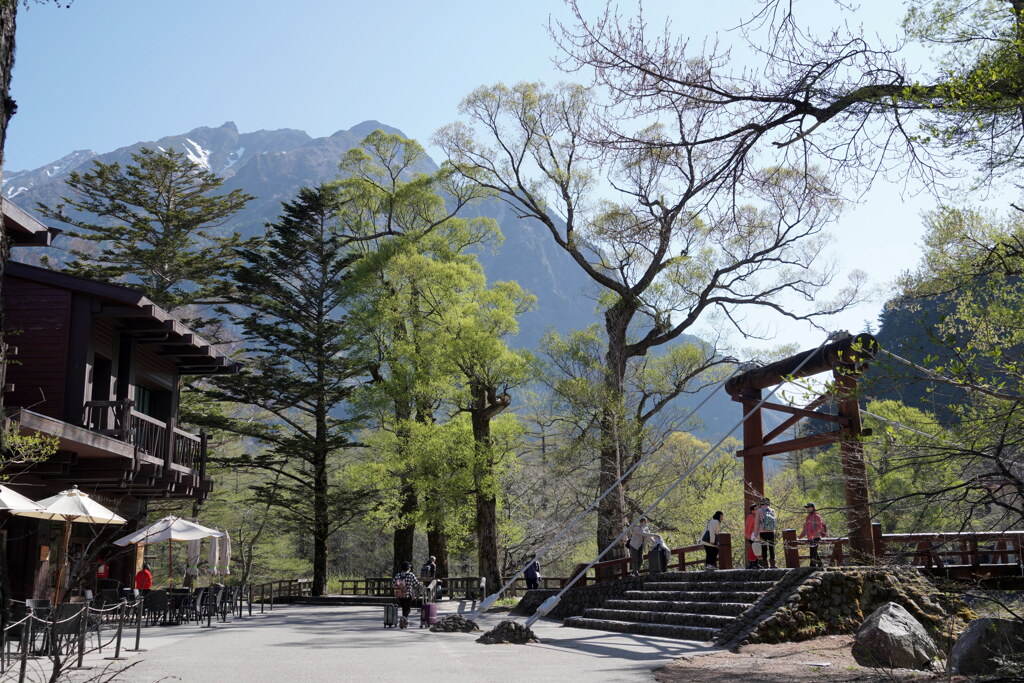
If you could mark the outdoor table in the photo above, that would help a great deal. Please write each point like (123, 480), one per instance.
(177, 601)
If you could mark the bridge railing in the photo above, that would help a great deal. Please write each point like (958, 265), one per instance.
(683, 559)
(927, 550)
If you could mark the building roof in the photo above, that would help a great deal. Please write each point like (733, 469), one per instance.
(138, 316)
(24, 230)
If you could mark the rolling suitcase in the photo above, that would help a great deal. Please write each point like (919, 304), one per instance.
(428, 614)
(390, 615)
(656, 563)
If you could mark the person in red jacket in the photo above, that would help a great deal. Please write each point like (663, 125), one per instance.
(749, 535)
(814, 530)
(144, 579)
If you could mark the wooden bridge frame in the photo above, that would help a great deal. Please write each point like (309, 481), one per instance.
(847, 359)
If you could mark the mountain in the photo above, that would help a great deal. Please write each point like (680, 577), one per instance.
(273, 165)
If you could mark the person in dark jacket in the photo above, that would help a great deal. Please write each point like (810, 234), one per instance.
(532, 574)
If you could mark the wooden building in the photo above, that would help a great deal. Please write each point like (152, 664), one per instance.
(98, 366)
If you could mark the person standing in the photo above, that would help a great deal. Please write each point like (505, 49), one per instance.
(144, 579)
(636, 544)
(750, 535)
(814, 530)
(710, 541)
(767, 524)
(532, 574)
(405, 584)
(428, 572)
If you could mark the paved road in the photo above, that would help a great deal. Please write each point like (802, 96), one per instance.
(315, 643)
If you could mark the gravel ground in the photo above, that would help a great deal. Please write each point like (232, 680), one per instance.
(786, 663)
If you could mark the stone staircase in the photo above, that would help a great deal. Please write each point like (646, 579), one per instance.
(685, 605)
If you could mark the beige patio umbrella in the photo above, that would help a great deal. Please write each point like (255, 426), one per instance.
(12, 501)
(224, 548)
(168, 529)
(192, 565)
(70, 506)
(213, 558)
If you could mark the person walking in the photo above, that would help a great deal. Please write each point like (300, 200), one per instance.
(532, 574)
(428, 572)
(636, 544)
(814, 530)
(767, 524)
(405, 584)
(750, 535)
(710, 541)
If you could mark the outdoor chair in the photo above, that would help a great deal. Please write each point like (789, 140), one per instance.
(195, 612)
(155, 607)
(227, 602)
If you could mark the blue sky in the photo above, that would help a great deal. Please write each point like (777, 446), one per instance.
(106, 73)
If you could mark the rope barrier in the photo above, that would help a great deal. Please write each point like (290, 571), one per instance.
(489, 601)
(553, 601)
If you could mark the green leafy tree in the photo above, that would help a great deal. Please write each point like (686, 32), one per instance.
(153, 224)
(402, 228)
(288, 301)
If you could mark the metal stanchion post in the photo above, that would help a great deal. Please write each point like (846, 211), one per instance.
(25, 640)
(271, 596)
(138, 628)
(83, 624)
(120, 631)
(250, 599)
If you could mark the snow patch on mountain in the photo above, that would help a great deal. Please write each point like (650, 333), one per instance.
(12, 193)
(233, 159)
(201, 157)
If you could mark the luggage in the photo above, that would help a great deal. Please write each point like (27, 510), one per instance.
(428, 614)
(656, 562)
(390, 615)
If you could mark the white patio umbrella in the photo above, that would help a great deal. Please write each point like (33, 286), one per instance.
(224, 546)
(214, 557)
(168, 529)
(192, 566)
(70, 506)
(13, 501)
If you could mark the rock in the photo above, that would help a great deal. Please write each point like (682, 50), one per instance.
(892, 638)
(982, 641)
(508, 631)
(454, 623)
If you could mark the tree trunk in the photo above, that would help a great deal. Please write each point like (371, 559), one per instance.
(437, 545)
(611, 512)
(8, 14)
(486, 501)
(404, 536)
(321, 526)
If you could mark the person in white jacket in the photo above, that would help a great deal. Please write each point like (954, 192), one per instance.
(710, 540)
(636, 544)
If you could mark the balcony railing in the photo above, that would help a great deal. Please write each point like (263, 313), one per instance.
(162, 440)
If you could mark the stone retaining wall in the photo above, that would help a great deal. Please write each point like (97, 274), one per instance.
(836, 601)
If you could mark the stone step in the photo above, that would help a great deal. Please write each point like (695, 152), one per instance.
(742, 586)
(712, 621)
(731, 609)
(724, 575)
(749, 597)
(663, 630)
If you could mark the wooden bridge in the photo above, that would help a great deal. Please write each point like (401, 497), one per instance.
(994, 559)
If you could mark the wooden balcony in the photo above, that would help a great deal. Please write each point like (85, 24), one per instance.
(160, 440)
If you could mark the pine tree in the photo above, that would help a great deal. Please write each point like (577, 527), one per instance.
(287, 302)
(153, 225)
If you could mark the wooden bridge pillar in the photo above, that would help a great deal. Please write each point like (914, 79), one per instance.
(753, 463)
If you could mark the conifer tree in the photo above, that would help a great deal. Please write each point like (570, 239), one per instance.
(152, 224)
(288, 300)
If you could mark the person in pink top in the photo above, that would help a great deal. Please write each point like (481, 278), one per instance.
(814, 530)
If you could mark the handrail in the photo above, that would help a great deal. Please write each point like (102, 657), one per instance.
(928, 551)
(120, 420)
